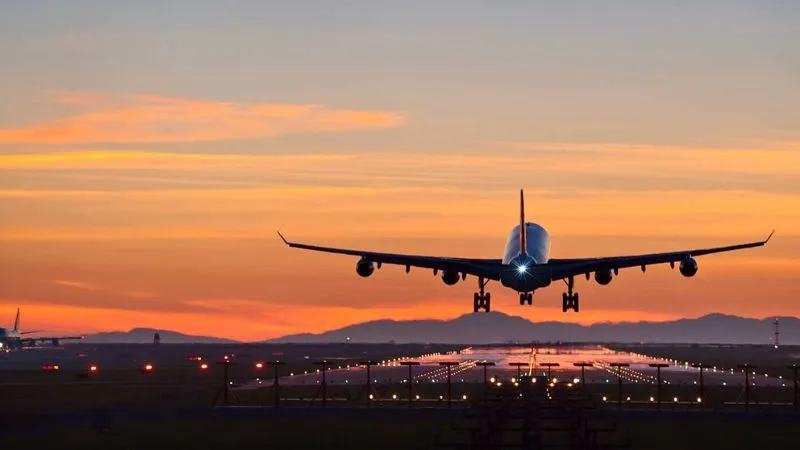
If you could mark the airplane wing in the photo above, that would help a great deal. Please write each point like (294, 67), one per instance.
(564, 268)
(44, 339)
(487, 268)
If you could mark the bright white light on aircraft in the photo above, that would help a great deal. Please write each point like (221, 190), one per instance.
(522, 268)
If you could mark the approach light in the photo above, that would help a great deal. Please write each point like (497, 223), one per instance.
(492, 379)
(464, 397)
(148, 367)
(204, 366)
(92, 368)
(371, 397)
(259, 365)
(699, 400)
(522, 268)
(394, 396)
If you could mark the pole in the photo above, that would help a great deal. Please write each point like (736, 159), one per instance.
(549, 366)
(796, 395)
(702, 392)
(410, 364)
(658, 367)
(275, 382)
(583, 366)
(747, 392)
(619, 367)
(324, 386)
(449, 364)
(368, 364)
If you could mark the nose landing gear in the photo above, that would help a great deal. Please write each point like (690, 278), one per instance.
(570, 299)
(482, 300)
(526, 297)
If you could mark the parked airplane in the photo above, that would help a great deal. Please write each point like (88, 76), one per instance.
(13, 339)
(526, 264)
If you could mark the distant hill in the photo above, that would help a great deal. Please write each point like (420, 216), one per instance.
(496, 327)
(145, 336)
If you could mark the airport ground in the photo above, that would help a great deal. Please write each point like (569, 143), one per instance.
(122, 405)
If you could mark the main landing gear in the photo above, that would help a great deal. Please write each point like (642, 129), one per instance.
(569, 299)
(526, 297)
(482, 300)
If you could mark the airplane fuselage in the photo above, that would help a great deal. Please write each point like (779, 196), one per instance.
(9, 339)
(527, 270)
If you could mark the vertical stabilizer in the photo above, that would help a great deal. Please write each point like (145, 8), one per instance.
(523, 241)
(16, 321)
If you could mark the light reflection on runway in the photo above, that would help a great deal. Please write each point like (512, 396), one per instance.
(533, 358)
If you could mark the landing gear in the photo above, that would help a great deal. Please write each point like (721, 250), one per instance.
(570, 299)
(482, 300)
(526, 297)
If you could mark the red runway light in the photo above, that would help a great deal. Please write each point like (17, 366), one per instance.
(148, 367)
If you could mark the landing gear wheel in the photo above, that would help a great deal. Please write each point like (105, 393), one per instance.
(522, 298)
(530, 298)
(575, 302)
(487, 302)
(476, 303)
(564, 303)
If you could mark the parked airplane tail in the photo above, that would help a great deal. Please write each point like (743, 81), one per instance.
(523, 247)
(16, 321)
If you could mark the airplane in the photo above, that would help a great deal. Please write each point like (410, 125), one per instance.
(13, 339)
(526, 264)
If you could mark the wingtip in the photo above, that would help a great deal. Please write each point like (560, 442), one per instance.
(769, 237)
(282, 238)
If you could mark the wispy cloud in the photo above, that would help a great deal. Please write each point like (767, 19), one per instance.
(75, 284)
(150, 118)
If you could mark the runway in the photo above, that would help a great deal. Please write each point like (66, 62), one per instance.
(534, 360)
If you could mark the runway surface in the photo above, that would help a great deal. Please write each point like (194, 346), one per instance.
(534, 360)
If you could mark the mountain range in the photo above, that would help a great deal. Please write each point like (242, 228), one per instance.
(497, 327)
(145, 336)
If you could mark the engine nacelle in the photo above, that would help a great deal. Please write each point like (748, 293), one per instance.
(365, 267)
(450, 277)
(603, 276)
(688, 267)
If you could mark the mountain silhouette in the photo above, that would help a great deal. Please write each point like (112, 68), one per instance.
(497, 327)
(145, 336)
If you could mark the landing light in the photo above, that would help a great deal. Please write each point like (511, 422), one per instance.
(522, 268)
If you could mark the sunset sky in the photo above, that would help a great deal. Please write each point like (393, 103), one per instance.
(149, 150)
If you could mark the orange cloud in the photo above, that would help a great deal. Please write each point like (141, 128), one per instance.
(150, 118)
(75, 284)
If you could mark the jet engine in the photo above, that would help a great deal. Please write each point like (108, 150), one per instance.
(688, 267)
(365, 267)
(450, 277)
(603, 276)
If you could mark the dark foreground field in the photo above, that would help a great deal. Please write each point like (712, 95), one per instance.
(121, 407)
(370, 429)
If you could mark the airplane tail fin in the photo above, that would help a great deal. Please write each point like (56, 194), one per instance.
(523, 244)
(16, 321)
